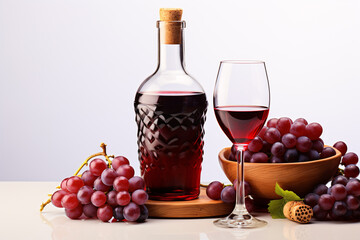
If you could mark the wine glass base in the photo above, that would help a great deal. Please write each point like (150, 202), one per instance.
(240, 221)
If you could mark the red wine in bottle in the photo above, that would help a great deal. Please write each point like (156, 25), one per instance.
(170, 140)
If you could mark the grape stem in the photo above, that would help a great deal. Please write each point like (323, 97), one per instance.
(44, 204)
(85, 163)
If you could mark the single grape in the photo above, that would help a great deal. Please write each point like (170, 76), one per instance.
(314, 130)
(311, 199)
(303, 157)
(339, 180)
(278, 149)
(326, 202)
(213, 191)
(88, 178)
(119, 161)
(348, 215)
(84, 194)
(275, 159)
(320, 189)
(70, 201)
(283, 125)
(266, 147)
(327, 152)
(291, 155)
(98, 198)
(352, 202)
(303, 144)
(105, 213)
(100, 186)
(111, 198)
(121, 183)
(289, 140)
(271, 123)
(262, 132)
(131, 212)
(339, 192)
(322, 141)
(350, 158)
(351, 171)
(139, 197)
(63, 184)
(317, 145)
(126, 171)
(339, 209)
(228, 194)
(249, 204)
(74, 213)
(108, 176)
(57, 197)
(232, 155)
(272, 135)
(119, 213)
(301, 120)
(247, 187)
(259, 157)
(74, 183)
(341, 146)
(256, 144)
(353, 188)
(298, 129)
(333, 217)
(136, 183)
(247, 156)
(319, 213)
(123, 198)
(313, 154)
(90, 210)
(144, 214)
(356, 214)
(97, 166)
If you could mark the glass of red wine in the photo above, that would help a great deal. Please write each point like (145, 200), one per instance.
(241, 104)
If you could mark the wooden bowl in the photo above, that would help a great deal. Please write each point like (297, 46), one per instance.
(300, 177)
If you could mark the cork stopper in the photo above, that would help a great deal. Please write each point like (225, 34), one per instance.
(170, 25)
(298, 211)
(170, 14)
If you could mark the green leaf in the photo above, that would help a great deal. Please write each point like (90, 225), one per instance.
(291, 196)
(287, 195)
(279, 191)
(276, 206)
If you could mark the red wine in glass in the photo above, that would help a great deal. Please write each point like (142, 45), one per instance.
(241, 124)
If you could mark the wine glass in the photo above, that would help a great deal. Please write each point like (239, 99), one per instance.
(241, 104)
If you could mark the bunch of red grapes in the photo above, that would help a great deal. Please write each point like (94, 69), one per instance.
(109, 194)
(216, 191)
(283, 140)
(341, 201)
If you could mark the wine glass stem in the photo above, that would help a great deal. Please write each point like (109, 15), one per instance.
(240, 207)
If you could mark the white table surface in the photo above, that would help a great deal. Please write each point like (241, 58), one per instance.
(20, 219)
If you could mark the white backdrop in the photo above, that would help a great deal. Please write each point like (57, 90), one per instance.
(69, 71)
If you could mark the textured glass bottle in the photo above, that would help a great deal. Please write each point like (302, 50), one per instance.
(170, 109)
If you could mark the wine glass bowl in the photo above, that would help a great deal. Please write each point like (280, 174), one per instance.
(300, 177)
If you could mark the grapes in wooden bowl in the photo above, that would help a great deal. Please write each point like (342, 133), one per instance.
(287, 152)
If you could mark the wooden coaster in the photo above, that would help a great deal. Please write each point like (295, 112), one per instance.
(198, 208)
